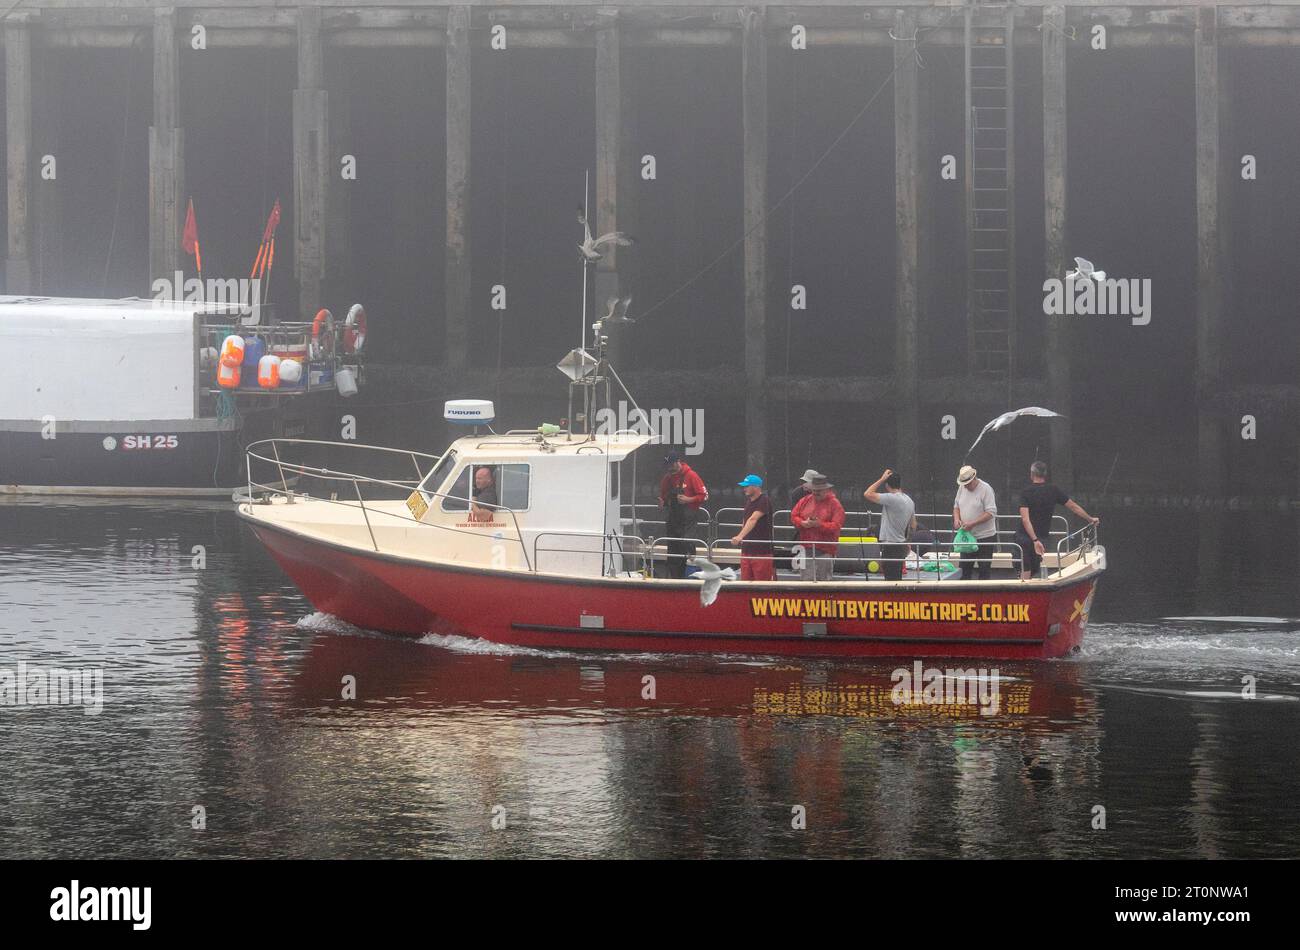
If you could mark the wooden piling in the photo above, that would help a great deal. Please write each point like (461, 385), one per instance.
(18, 150)
(338, 273)
(311, 161)
(1211, 474)
(906, 214)
(1058, 369)
(754, 123)
(609, 140)
(458, 185)
(166, 152)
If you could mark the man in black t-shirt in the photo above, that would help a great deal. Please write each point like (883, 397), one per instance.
(755, 535)
(1038, 503)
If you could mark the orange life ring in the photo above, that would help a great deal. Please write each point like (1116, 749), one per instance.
(354, 330)
(322, 345)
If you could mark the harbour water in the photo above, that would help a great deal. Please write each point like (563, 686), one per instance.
(223, 706)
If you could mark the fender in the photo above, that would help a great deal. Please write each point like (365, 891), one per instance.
(354, 330)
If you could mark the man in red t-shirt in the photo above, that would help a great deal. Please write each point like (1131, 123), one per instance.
(818, 518)
(681, 492)
(755, 534)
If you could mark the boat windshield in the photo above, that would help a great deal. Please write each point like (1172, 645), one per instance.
(433, 481)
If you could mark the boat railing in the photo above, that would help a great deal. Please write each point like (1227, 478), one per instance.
(728, 521)
(913, 565)
(410, 454)
(255, 451)
(630, 512)
(1080, 544)
(940, 565)
(612, 546)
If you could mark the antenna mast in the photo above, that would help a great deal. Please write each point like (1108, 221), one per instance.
(586, 215)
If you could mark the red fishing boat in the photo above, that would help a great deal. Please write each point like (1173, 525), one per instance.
(560, 561)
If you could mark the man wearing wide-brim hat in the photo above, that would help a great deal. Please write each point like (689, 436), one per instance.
(802, 491)
(818, 518)
(976, 509)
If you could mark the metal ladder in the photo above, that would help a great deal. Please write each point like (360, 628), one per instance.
(990, 192)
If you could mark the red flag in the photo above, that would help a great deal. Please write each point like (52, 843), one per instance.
(272, 222)
(190, 236)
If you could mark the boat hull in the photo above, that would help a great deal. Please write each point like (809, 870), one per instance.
(406, 596)
(202, 456)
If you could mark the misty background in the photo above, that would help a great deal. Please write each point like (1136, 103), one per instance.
(1131, 178)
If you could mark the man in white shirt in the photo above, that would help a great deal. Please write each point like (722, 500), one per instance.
(976, 509)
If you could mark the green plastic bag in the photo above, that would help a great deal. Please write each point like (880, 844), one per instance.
(942, 566)
(963, 542)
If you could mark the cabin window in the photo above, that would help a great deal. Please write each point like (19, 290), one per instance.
(511, 482)
(613, 480)
(433, 481)
(458, 495)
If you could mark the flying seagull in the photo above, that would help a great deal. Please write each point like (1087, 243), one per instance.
(589, 245)
(713, 576)
(1084, 269)
(1009, 417)
(618, 311)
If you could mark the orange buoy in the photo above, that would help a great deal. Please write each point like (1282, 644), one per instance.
(232, 351)
(228, 375)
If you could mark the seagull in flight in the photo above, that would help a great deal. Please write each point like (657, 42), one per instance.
(589, 246)
(713, 576)
(618, 311)
(1009, 417)
(1084, 268)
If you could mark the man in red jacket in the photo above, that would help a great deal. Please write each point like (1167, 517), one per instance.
(818, 518)
(681, 492)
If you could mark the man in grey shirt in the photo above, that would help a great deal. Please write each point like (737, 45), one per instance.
(976, 509)
(897, 519)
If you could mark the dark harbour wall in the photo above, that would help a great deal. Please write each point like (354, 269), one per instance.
(576, 89)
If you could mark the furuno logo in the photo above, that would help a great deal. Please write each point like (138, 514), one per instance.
(1122, 297)
(103, 903)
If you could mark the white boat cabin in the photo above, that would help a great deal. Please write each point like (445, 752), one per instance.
(548, 502)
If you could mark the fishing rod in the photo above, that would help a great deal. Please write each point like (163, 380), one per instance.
(1112, 472)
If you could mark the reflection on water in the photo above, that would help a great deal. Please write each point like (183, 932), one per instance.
(224, 690)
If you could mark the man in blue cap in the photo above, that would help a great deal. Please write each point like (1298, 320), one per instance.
(755, 535)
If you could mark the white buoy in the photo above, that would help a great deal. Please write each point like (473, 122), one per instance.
(268, 371)
(346, 382)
